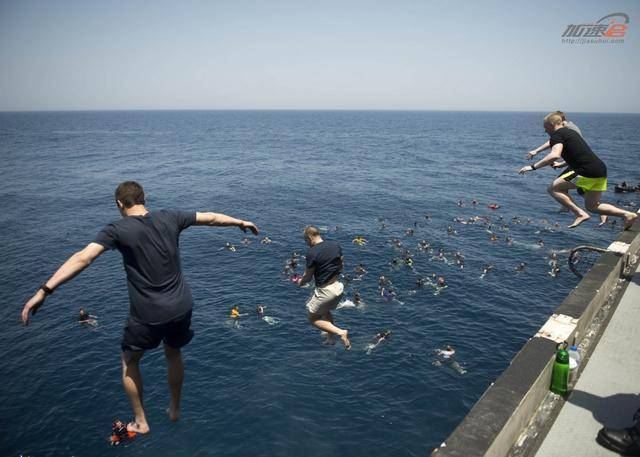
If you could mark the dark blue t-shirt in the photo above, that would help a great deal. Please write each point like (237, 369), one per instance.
(150, 251)
(325, 257)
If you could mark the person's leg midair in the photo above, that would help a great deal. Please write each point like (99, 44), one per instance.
(559, 190)
(592, 202)
(325, 323)
(175, 378)
(132, 382)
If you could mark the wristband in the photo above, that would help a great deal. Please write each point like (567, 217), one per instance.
(533, 166)
(45, 289)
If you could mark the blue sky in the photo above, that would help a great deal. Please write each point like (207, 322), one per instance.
(414, 55)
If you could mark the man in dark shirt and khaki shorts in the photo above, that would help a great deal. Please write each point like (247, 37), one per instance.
(324, 263)
(590, 170)
(160, 298)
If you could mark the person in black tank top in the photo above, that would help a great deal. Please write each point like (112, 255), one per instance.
(591, 173)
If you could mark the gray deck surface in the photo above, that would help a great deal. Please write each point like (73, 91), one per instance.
(607, 393)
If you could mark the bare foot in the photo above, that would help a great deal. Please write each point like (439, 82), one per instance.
(603, 220)
(138, 427)
(629, 219)
(344, 336)
(173, 413)
(579, 220)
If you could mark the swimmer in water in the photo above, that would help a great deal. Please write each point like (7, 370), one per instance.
(494, 238)
(379, 338)
(266, 240)
(424, 246)
(553, 265)
(357, 300)
(260, 309)
(235, 313)
(409, 232)
(474, 202)
(442, 283)
(360, 270)
(458, 259)
(359, 240)
(230, 247)
(85, 318)
(488, 267)
(446, 356)
(521, 266)
(451, 231)
(540, 243)
(408, 260)
(460, 203)
(246, 241)
(509, 241)
(118, 433)
(447, 352)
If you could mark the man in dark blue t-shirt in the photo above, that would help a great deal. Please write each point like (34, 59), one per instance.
(324, 263)
(160, 298)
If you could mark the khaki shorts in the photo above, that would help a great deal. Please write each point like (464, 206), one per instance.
(324, 299)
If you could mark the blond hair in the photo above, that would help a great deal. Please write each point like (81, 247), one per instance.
(310, 231)
(553, 119)
(561, 114)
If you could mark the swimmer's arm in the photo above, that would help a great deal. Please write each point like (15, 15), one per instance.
(69, 270)
(222, 220)
(555, 154)
(537, 150)
(306, 277)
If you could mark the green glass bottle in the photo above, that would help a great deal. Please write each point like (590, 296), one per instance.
(560, 376)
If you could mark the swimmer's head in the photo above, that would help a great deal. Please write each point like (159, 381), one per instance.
(552, 122)
(311, 235)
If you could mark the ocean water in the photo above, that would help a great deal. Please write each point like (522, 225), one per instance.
(274, 390)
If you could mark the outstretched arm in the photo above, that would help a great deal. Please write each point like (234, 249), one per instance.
(555, 154)
(222, 220)
(537, 150)
(69, 270)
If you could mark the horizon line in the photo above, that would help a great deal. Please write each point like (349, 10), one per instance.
(2, 111)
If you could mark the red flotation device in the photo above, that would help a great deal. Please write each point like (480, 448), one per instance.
(115, 439)
(493, 206)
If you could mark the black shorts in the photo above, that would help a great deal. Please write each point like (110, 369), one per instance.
(140, 337)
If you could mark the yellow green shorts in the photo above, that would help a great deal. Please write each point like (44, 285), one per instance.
(591, 184)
